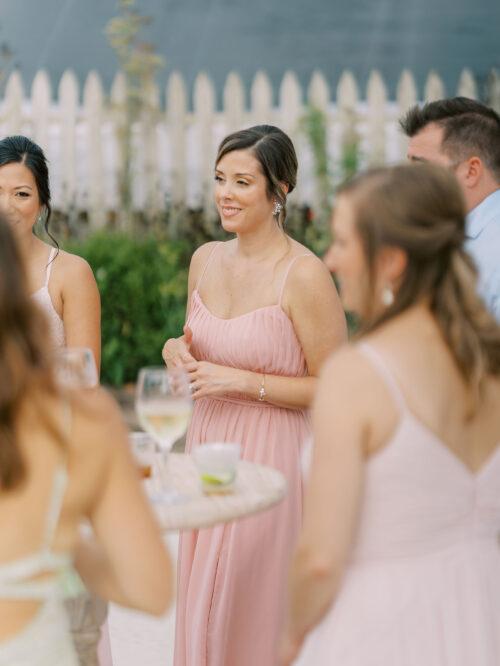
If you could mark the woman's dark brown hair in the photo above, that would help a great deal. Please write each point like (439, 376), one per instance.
(25, 368)
(420, 209)
(276, 155)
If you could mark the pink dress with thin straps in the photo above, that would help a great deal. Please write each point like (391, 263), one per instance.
(232, 577)
(422, 587)
(42, 297)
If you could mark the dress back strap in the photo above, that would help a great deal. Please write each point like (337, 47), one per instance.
(288, 268)
(48, 269)
(207, 263)
(385, 374)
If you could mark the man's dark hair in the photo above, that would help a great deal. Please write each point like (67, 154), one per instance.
(470, 128)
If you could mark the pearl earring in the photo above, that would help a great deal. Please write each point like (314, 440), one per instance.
(387, 296)
(278, 207)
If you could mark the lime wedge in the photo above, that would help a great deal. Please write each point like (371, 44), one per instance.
(217, 479)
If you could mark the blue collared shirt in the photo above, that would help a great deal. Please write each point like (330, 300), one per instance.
(483, 244)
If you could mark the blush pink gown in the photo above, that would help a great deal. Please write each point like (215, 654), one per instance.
(232, 578)
(423, 584)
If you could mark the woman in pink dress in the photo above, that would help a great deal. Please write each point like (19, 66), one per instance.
(263, 314)
(398, 563)
(61, 283)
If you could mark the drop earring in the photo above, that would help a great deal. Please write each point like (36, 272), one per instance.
(387, 296)
(278, 207)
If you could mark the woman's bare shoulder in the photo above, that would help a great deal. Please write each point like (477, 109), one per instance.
(354, 381)
(72, 269)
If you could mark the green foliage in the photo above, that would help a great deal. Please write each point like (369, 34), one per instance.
(314, 125)
(327, 175)
(143, 286)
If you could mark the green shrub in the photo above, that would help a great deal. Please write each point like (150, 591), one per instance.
(143, 286)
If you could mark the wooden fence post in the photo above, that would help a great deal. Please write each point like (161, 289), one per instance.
(41, 100)
(93, 100)
(376, 96)
(68, 109)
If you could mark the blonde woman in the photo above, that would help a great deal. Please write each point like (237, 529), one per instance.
(398, 561)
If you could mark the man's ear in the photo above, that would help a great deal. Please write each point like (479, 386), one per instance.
(471, 171)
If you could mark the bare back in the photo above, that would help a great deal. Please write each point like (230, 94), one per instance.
(102, 485)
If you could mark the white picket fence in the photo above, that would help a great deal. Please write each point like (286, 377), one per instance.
(174, 153)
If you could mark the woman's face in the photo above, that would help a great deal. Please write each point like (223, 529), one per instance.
(240, 192)
(19, 200)
(346, 258)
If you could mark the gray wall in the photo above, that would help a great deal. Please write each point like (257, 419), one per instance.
(246, 35)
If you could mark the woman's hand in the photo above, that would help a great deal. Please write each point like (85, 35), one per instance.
(176, 351)
(289, 649)
(211, 379)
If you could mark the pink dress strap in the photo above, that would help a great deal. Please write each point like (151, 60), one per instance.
(288, 268)
(48, 270)
(377, 361)
(207, 263)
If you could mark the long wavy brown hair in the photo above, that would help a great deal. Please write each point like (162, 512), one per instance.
(420, 209)
(25, 361)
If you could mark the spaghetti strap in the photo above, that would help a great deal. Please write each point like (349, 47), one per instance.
(306, 254)
(385, 374)
(207, 263)
(48, 269)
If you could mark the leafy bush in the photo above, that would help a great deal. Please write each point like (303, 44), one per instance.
(143, 286)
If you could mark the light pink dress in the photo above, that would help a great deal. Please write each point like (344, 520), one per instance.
(232, 577)
(423, 584)
(86, 612)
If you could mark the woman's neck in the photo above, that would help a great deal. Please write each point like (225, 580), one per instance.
(29, 245)
(261, 243)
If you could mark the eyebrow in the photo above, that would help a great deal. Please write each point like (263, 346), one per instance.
(19, 187)
(416, 158)
(238, 175)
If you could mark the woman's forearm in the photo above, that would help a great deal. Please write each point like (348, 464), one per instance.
(289, 392)
(96, 572)
(313, 586)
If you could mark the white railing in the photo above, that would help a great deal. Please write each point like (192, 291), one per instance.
(174, 154)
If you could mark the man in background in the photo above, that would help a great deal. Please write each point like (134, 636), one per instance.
(464, 136)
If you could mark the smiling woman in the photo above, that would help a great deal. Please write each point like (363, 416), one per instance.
(61, 283)
(263, 315)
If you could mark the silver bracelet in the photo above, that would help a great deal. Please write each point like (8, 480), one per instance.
(262, 390)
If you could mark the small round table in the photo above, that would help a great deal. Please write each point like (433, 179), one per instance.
(256, 488)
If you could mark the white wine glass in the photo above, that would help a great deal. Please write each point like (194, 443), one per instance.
(164, 405)
(76, 367)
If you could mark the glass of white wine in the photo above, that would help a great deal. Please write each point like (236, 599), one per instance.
(164, 405)
(76, 367)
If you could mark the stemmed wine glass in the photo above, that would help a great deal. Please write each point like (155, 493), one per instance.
(76, 368)
(164, 405)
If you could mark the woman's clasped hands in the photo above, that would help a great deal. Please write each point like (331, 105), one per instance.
(204, 378)
(176, 351)
(210, 379)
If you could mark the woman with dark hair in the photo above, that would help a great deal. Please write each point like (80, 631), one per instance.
(398, 561)
(64, 458)
(62, 283)
(262, 316)
(64, 287)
